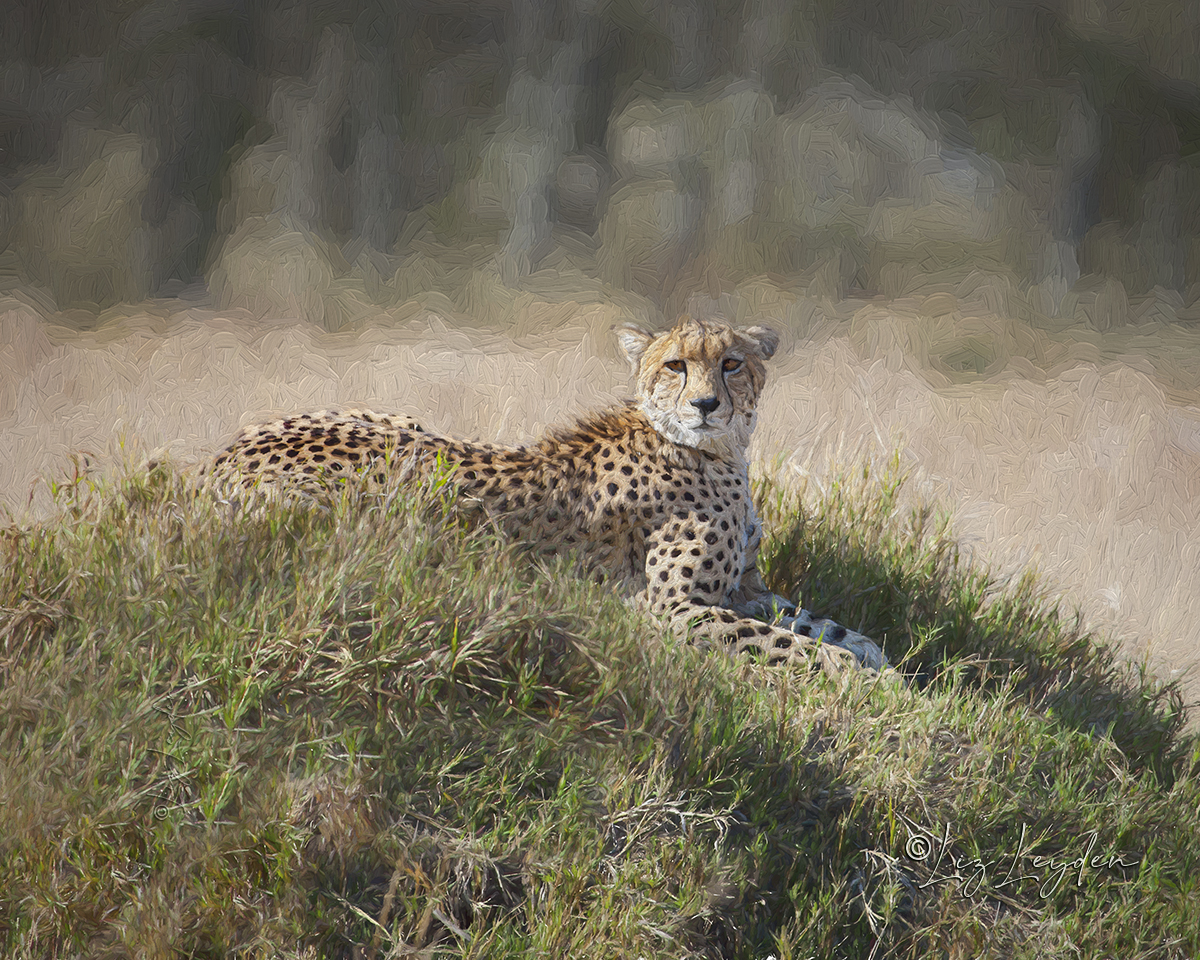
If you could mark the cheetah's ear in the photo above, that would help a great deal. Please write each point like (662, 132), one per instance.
(634, 341)
(766, 338)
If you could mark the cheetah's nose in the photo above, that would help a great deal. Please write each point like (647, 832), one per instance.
(707, 405)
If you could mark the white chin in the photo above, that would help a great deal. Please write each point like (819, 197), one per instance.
(714, 438)
(699, 438)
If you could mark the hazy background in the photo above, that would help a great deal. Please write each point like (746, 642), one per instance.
(977, 224)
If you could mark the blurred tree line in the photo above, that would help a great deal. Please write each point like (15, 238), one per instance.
(298, 154)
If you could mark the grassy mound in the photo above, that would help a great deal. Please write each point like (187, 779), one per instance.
(363, 729)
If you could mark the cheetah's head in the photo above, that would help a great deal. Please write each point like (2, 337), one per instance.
(699, 382)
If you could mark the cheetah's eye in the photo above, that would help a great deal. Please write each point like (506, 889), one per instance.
(676, 366)
(732, 365)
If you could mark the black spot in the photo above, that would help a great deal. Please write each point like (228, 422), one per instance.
(707, 564)
(710, 538)
(783, 643)
(745, 632)
(670, 591)
(837, 634)
(275, 458)
(612, 489)
(627, 470)
(609, 465)
(252, 465)
(662, 575)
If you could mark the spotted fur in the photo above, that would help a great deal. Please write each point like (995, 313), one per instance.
(653, 493)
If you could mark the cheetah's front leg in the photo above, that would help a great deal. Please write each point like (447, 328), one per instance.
(691, 568)
(725, 629)
(753, 599)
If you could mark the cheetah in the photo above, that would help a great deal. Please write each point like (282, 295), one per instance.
(653, 493)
